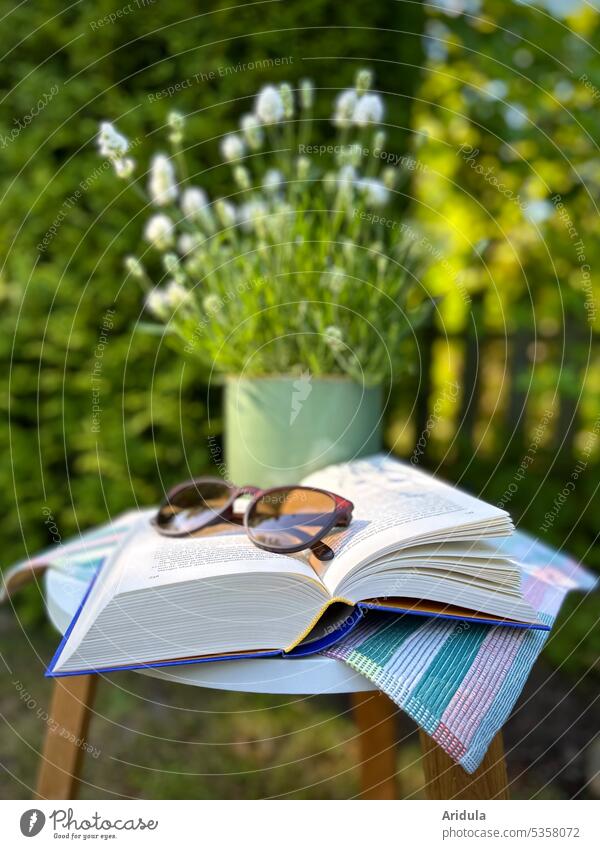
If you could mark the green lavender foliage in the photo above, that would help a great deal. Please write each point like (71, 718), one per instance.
(294, 269)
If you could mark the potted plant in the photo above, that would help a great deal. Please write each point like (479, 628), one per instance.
(294, 289)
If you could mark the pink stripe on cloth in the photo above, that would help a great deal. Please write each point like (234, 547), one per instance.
(476, 694)
(535, 593)
(449, 742)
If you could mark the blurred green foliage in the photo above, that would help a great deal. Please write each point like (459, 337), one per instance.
(506, 132)
(508, 124)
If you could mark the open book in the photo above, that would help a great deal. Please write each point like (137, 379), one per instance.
(415, 546)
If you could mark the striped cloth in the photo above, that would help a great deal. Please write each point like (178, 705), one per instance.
(457, 680)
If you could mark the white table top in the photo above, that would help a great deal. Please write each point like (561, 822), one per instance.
(294, 676)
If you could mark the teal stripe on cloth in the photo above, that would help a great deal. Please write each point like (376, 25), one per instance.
(381, 646)
(437, 687)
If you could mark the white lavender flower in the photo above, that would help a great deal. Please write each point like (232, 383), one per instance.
(303, 167)
(157, 303)
(197, 263)
(232, 147)
(241, 176)
(187, 244)
(368, 110)
(373, 191)
(162, 185)
(349, 250)
(273, 181)
(335, 280)
(175, 294)
(176, 124)
(124, 167)
(287, 98)
(364, 81)
(114, 146)
(226, 212)
(350, 154)
(306, 94)
(212, 303)
(251, 215)
(334, 338)
(171, 264)
(346, 182)
(194, 203)
(382, 264)
(379, 140)
(269, 105)
(345, 106)
(111, 143)
(347, 174)
(346, 179)
(389, 176)
(160, 232)
(253, 131)
(135, 268)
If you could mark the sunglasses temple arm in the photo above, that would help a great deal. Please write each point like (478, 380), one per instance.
(322, 551)
(343, 517)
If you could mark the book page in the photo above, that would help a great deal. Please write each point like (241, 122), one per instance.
(155, 560)
(147, 559)
(394, 505)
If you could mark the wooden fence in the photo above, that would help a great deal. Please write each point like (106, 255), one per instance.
(530, 388)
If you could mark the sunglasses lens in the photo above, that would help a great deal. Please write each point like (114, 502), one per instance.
(287, 518)
(193, 506)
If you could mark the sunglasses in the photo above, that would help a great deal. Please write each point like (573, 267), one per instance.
(284, 519)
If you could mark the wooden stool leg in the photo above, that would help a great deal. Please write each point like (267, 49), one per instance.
(62, 754)
(375, 716)
(444, 779)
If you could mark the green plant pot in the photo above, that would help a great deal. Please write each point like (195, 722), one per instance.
(279, 429)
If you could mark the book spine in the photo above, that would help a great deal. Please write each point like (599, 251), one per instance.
(315, 619)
